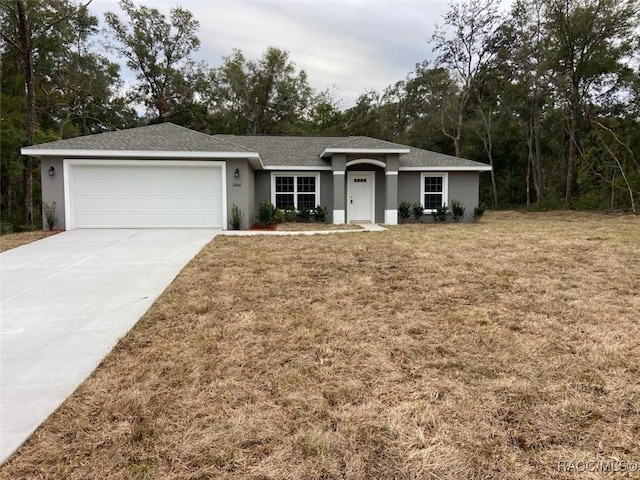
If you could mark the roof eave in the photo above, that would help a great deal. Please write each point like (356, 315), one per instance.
(470, 168)
(366, 151)
(54, 152)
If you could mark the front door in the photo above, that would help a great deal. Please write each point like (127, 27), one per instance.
(361, 197)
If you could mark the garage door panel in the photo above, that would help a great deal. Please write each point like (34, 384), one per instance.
(166, 195)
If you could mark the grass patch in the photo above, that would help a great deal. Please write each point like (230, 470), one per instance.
(492, 350)
(13, 240)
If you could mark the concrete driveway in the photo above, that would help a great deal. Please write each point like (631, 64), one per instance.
(66, 300)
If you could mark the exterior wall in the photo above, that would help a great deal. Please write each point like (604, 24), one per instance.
(326, 193)
(242, 195)
(360, 156)
(463, 186)
(263, 189)
(53, 190)
(241, 190)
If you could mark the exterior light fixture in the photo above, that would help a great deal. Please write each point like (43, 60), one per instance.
(52, 171)
(235, 174)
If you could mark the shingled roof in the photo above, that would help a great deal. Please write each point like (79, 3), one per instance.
(263, 150)
(306, 151)
(163, 137)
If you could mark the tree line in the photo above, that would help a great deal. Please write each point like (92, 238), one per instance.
(547, 92)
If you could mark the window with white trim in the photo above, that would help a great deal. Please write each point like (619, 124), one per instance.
(298, 190)
(434, 190)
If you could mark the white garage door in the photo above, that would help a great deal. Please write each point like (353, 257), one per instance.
(144, 194)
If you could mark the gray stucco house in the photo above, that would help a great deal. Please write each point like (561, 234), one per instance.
(170, 176)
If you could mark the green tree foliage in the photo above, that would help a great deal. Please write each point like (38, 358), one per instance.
(52, 86)
(261, 96)
(463, 43)
(158, 50)
(28, 31)
(548, 93)
(590, 39)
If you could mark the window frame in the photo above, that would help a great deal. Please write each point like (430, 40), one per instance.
(295, 192)
(445, 188)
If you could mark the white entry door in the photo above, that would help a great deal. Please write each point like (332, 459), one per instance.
(361, 197)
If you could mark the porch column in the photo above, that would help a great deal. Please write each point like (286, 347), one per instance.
(391, 188)
(339, 166)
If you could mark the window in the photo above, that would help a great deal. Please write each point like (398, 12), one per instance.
(299, 191)
(434, 190)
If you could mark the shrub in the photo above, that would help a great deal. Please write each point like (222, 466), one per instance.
(236, 217)
(404, 211)
(478, 212)
(418, 211)
(290, 214)
(320, 213)
(304, 215)
(440, 213)
(50, 215)
(457, 210)
(267, 213)
(280, 216)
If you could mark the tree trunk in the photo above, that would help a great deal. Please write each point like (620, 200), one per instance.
(530, 155)
(487, 141)
(538, 174)
(458, 138)
(30, 126)
(573, 129)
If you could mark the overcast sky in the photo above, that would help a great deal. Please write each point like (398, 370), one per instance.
(348, 46)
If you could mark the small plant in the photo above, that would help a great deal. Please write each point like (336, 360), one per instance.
(280, 216)
(267, 213)
(50, 215)
(478, 212)
(236, 217)
(418, 211)
(290, 214)
(304, 215)
(320, 213)
(457, 210)
(440, 213)
(404, 211)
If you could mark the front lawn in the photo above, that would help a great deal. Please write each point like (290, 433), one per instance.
(456, 351)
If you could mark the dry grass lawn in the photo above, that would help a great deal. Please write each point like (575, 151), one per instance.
(13, 240)
(484, 351)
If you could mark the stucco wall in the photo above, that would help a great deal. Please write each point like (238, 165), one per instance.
(53, 190)
(263, 188)
(326, 193)
(462, 186)
(242, 195)
(241, 190)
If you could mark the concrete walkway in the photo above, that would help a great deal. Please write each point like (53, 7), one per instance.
(366, 227)
(65, 301)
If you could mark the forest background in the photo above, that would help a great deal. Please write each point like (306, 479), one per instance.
(545, 91)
